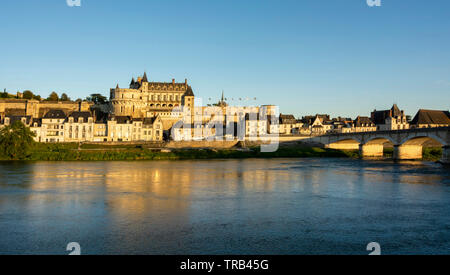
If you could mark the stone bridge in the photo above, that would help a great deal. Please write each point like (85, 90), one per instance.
(407, 143)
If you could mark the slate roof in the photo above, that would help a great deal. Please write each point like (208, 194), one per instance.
(55, 113)
(310, 119)
(360, 120)
(123, 119)
(13, 119)
(287, 119)
(189, 92)
(379, 117)
(431, 117)
(395, 110)
(77, 115)
(38, 121)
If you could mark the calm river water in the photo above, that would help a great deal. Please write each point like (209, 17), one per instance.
(254, 206)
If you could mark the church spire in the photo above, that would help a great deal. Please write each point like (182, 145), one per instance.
(144, 78)
(132, 81)
(117, 87)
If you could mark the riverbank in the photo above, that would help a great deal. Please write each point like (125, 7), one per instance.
(121, 152)
(89, 152)
(428, 154)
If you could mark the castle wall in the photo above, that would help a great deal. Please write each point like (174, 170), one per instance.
(37, 109)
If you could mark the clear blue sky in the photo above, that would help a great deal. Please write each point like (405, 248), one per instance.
(308, 56)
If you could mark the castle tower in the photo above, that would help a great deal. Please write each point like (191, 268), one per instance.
(188, 98)
(144, 78)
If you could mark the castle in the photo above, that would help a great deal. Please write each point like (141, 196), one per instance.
(144, 99)
(146, 111)
(154, 111)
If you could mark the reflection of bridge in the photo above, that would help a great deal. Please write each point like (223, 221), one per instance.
(407, 143)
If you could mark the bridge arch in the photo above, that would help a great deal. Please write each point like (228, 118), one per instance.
(408, 144)
(411, 147)
(345, 143)
(373, 146)
(379, 140)
(422, 139)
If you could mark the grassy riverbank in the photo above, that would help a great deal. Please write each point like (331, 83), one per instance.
(70, 152)
(429, 154)
(101, 152)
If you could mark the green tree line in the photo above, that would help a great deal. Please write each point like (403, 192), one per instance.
(27, 94)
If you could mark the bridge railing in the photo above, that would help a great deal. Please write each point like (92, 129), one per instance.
(392, 131)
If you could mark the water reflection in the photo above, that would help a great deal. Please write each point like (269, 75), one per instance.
(225, 206)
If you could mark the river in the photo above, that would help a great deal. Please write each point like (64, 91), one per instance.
(252, 206)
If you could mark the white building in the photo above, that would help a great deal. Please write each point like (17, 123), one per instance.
(52, 129)
(79, 126)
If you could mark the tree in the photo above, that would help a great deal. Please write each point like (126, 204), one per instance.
(28, 94)
(37, 97)
(53, 97)
(97, 98)
(64, 97)
(16, 141)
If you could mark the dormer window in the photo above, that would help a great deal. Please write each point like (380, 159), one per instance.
(71, 120)
(80, 120)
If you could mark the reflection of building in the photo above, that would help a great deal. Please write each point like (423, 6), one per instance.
(392, 119)
(431, 118)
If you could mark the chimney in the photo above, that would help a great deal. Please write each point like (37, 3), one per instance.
(173, 81)
(185, 81)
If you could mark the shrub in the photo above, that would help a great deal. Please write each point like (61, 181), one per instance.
(16, 141)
